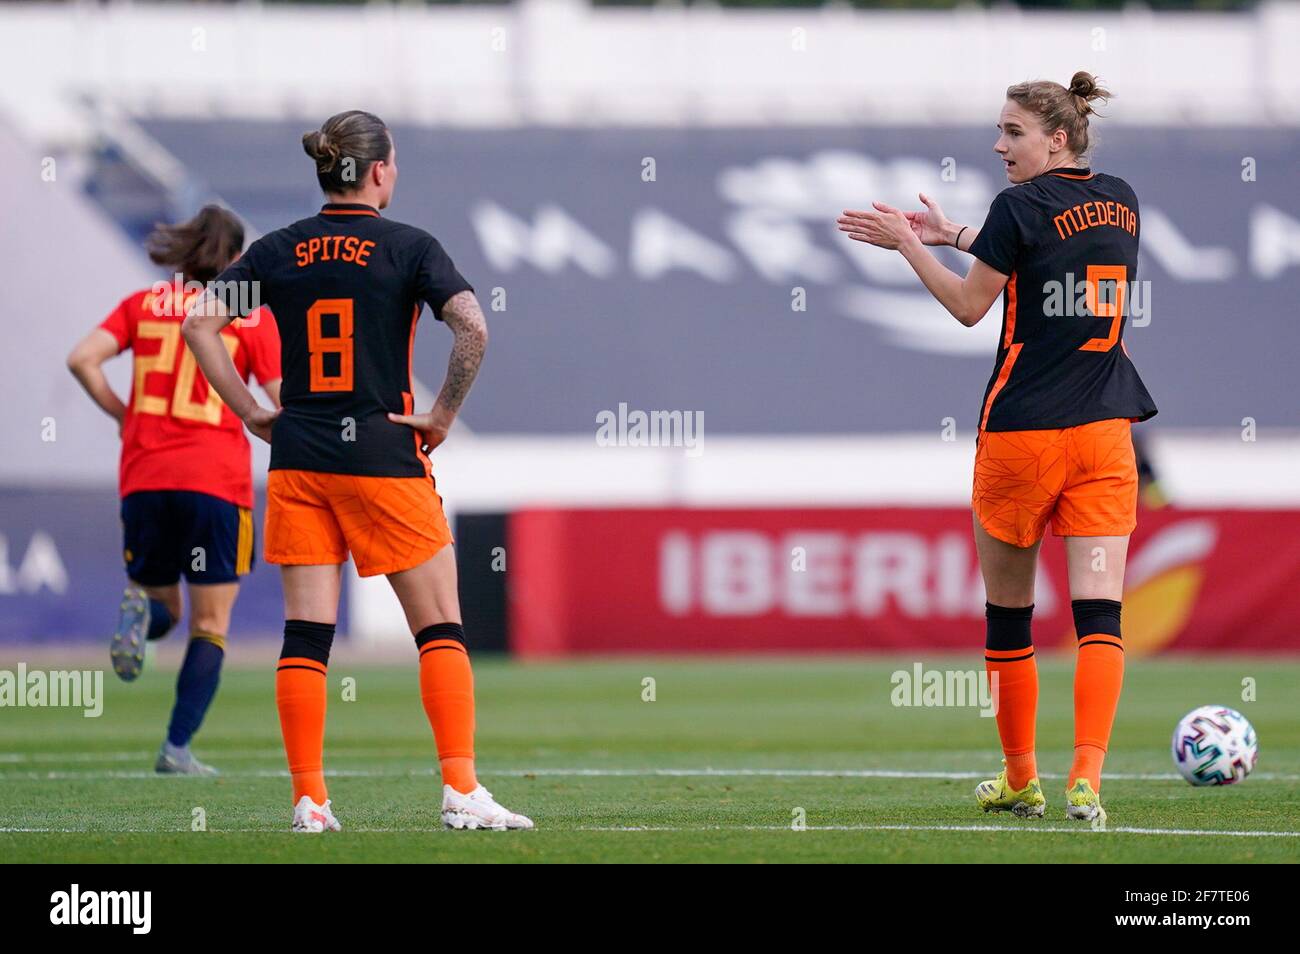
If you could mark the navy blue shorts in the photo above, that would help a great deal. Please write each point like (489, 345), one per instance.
(170, 533)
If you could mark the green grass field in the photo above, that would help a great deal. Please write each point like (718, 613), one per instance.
(714, 769)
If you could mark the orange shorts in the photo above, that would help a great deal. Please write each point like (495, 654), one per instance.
(388, 524)
(1084, 478)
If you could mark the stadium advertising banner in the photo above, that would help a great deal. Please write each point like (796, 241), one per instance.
(62, 572)
(700, 268)
(897, 579)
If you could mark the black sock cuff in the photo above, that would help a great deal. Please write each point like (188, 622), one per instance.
(307, 640)
(993, 611)
(1008, 627)
(1096, 616)
(440, 631)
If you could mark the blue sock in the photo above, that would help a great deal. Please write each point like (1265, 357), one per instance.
(160, 619)
(195, 686)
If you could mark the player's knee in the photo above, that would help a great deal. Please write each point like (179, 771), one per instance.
(304, 639)
(209, 621)
(1008, 627)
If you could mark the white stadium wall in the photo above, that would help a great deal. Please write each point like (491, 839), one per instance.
(560, 62)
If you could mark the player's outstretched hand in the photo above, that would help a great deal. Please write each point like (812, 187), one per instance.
(930, 225)
(433, 429)
(259, 421)
(886, 227)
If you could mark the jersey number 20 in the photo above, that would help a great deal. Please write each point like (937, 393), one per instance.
(181, 404)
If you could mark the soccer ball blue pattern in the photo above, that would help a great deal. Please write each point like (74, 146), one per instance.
(1215, 745)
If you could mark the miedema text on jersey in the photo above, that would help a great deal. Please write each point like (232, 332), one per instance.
(1065, 230)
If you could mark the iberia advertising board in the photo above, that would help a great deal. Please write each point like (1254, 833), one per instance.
(893, 579)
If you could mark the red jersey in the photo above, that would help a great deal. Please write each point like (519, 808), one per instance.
(178, 433)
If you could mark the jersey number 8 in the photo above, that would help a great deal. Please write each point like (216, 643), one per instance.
(319, 344)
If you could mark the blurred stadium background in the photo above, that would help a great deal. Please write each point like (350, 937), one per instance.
(644, 196)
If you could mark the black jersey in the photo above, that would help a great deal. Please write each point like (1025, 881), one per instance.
(347, 287)
(1068, 240)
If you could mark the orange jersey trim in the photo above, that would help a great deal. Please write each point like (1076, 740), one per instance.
(1011, 312)
(349, 212)
(1003, 374)
(1013, 350)
(408, 396)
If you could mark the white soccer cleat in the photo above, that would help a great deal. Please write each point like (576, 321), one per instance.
(173, 760)
(312, 819)
(478, 809)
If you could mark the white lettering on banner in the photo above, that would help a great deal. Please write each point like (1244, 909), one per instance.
(737, 574)
(1178, 256)
(1274, 241)
(41, 567)
(660, 243)
(891, 565)
(780, 248)
(818, 589)
(951, 576)
(870, 574)
(781, 205)
(556, 240)
(675, 572)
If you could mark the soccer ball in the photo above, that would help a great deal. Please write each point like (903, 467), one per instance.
(1215, 745)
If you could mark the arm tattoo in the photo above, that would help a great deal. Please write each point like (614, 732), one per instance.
(464, 317)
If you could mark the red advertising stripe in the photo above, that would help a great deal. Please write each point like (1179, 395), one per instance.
(683, 581)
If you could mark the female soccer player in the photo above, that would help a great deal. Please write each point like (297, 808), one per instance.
(185, 476)
(1053, 440)
(350, 471)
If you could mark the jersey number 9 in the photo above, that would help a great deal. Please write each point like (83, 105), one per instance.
(1113, 309)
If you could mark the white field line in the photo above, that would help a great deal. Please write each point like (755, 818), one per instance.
(39, 775)
(998, 828)
(1016, 829)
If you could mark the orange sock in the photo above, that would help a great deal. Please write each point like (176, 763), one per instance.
(300, 696)
(1013, 680)
(1016, 673)
(447, 691)
(1098, 677)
